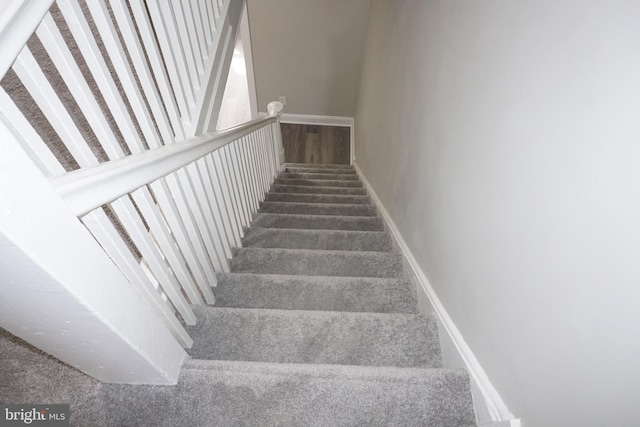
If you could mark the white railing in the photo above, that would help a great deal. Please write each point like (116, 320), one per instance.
(115, 102)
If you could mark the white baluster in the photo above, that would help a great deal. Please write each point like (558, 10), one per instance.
(162, 18)
(189, 43)
(211, 207)
(223, 201)
(98, 223)
(166, 242)
(124, 209)
(173, 97)
(91, 53)
(145, 77)
(232, 158)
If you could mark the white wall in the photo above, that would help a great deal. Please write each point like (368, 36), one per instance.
(309, 51)
(236, 105)
(504, 140)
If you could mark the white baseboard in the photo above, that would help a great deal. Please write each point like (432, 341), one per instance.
(486, 398)
(307, 119)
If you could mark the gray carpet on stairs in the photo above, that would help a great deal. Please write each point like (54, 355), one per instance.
(341, 209)
(291, 336)
(310, 189)
(316, 262)
(368, 294)
(318, 222)
(319, 176)
(249, 394)
(316, 325)
(258, 237)
(312, 183)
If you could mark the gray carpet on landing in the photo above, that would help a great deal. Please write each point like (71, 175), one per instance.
(29, 376)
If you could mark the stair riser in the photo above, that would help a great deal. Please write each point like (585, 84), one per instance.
(323, 240)
(321, 170)
(316, 263)
(319, 176)
(318, 209)
(282, 336)
(315, 293)
(278, 188)
(320, 183)
(317, 198)
(318, 166)
(318, 222)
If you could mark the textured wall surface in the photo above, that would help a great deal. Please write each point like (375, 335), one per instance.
(503, 138)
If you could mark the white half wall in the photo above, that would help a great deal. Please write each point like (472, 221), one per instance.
(503, 138)
(60, 292)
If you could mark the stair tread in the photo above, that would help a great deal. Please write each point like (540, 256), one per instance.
(319, 189)
(318, 198)
(318, 222)
(328, 293)
(320, 165)
(294, 169)
(316, 262)
(342, 209)
(305, 336)
(318, 182)
(319, 176)
(377, 241)
(212, 392)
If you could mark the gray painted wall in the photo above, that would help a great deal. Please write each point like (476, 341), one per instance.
(309, 51)
(504, 140)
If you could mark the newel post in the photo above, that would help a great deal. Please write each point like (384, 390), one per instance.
(274, 109)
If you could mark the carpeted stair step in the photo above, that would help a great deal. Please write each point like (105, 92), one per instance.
(336, 171)
(367, 294)
(318, 198)
(319, 176)
(304, 336)
(339, 240)
(320, 183)
(318, 165)
(309, 189)
(318, 222)
(317, 209)
(316, 262)
(232, 393)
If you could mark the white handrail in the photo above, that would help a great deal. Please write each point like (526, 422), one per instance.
(89, 188)
(18, 20)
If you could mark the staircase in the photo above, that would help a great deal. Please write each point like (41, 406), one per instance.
(314, 326)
